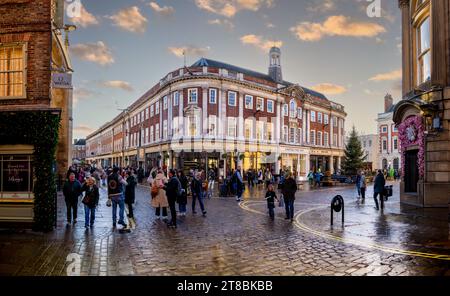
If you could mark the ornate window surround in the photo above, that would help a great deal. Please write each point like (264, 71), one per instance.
(419, 12)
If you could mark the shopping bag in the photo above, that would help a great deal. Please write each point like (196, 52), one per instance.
(281, 202)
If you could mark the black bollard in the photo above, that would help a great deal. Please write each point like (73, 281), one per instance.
(337, 205)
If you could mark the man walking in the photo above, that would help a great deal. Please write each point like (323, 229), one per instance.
(211, 181)
(378, 189)
(173, 191)
(238, 184)
(72, 191)
(115, 194)
(196, 189)
(358, 184)
(289, 190)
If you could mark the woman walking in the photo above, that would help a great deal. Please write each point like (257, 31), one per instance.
(130, 193)
(159, 198)
(90, 201)
(363, 186)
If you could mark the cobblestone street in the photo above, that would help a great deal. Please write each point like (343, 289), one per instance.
(240, 239)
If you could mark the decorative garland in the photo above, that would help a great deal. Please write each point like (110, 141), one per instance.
(411, 133)
(40, 129)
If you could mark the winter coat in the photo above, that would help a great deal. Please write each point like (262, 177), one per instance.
(130, 190)
(160, 200)
(196, 188)
(72, 191)
(289, 189)
(184, 184)
(93, 194)
(362, 182)
(379, 184)
(172, 189)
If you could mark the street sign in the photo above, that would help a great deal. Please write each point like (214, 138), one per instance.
(62, 80)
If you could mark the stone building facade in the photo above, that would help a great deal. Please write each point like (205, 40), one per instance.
(371, 147)
(423, 116)
(218, 115)
(389, 143)
(32, 54)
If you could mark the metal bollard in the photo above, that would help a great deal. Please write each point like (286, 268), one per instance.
(337, 205)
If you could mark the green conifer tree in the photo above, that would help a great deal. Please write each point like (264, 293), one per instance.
(354, 155)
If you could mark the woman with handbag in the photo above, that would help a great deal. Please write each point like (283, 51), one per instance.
(159, 198)
(90, 201)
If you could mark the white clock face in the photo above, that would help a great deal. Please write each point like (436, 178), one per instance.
(411, 133)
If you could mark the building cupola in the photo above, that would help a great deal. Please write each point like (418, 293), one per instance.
(275, 64)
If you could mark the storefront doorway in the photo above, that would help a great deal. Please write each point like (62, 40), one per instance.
(411, 171)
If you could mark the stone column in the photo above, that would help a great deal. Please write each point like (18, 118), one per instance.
(222, 112)
(331, 164)
(278, 126)
(339, 163)
(170, 166)
(181, 121)
(240, 120)
(307, 163)
(205, 111)
(308, 125)
(406, 49)
(298, 167)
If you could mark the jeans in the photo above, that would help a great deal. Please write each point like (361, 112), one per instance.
(289, 205)
(211, 186)
(89, 216)
(121, 203)
(272, 212)
(375, 198)
(200, 200)
(358, 188)
(72, 207)
(182, 207)
(158, 212)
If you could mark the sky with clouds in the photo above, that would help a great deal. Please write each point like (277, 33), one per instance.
(124, 47)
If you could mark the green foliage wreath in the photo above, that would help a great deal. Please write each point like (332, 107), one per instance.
(40, 129)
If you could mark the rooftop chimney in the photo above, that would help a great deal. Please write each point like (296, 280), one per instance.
(388, 103)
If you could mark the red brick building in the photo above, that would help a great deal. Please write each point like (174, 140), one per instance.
(214, 114)
(32, 54)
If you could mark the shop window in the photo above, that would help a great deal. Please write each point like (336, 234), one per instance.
(16, 177)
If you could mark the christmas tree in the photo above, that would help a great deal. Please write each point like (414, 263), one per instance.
(354, 155)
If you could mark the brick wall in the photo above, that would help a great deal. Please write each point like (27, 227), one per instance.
(29, 21)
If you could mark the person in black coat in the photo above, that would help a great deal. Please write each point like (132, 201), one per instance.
(182, 199)
(378, 189)
(130, 192)
(173, 189)
(196, 189)
(72, 191)
(289, 190)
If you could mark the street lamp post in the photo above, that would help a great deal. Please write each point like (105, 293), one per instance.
(124, 133)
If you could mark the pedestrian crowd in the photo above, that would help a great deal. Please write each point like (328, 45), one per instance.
(171, 187)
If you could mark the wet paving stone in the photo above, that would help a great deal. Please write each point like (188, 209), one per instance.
(233, 241)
